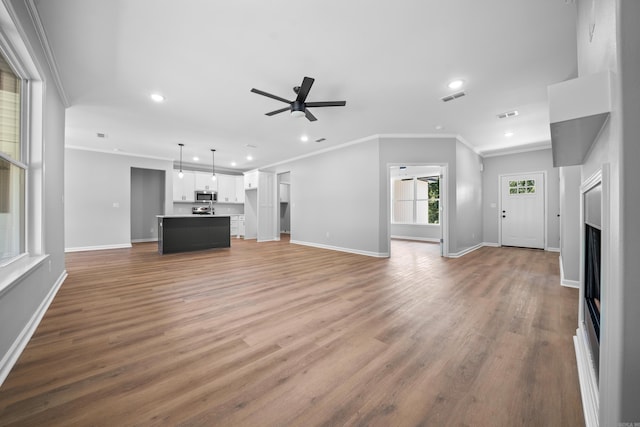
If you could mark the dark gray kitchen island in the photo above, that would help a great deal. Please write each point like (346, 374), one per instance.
(183, 233)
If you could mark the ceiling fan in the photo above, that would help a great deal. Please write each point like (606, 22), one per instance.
(298, 107)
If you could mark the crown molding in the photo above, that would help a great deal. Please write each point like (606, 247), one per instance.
(48, 51)
(516, 150)
(116, 153)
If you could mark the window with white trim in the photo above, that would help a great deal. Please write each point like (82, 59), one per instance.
(415, 200)
(13, 169)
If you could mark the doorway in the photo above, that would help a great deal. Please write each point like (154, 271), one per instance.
(522, 214)
(147, 201)
(284, 203)
(416, 201)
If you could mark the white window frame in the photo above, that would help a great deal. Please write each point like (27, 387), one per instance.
(19, 56)
(415, 201)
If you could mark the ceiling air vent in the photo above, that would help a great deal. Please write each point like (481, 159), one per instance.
(321, 139)
(453, 96)
(101, 134)
(508, 114)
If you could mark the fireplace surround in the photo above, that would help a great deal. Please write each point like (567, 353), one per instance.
(594, 223)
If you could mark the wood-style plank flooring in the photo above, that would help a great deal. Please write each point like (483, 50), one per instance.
(276, 334)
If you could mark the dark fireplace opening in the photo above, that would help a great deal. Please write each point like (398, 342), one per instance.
(592, 290)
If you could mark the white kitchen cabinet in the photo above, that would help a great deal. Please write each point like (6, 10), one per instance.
(226, 189)
(237, 225)
(251, 180)
(184, 188)
(240, 225)
(204, 181)
(240, 190)
(284, 193)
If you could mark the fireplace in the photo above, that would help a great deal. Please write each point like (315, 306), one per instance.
(592, 291)
(592, 271)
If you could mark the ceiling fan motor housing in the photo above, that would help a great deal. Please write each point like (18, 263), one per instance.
(298, 106)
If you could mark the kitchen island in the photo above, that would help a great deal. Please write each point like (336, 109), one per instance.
(183, 233)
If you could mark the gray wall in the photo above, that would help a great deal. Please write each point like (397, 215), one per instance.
(24, 299)
(468, 230)
(147, 201)
(615, 47)
(98, 197)
(430, 233)
(334, 198)
(532, 161)
(418, 151)
(340, 198)
(570, 222)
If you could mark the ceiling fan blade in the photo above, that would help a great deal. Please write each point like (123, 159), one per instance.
(310, 116)
(307, 82)
(268, 95)
(326, 104)
(282, 110)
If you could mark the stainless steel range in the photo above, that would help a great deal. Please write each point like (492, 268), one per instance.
(202, 210)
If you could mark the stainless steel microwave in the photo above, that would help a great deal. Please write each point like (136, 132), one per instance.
(206, 196)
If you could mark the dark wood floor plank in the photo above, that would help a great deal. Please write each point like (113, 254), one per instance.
(275, 334)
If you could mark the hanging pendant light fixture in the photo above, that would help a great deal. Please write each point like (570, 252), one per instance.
(180, 174)
(213, 168)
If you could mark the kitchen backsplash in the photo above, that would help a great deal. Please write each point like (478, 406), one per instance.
(219, 208)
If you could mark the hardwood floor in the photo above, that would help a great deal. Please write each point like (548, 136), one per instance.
(274, 334)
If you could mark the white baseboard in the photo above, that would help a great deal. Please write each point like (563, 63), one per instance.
(566, 282)
(419, 239)
(16, 349)
(465, 251)
(149, 239)
(337, 248)
(552, 249)
(491, 244)
(587, 379)
(98, 248)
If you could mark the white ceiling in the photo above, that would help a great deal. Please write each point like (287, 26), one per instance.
(391, 62)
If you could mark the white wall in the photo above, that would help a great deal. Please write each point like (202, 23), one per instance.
(532, 161)
(25, 299)
(98, 197)
(615, 46)
(570, 223)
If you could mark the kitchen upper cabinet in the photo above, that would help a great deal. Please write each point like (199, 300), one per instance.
(204, 181)
(239, 189)
(184, 188)
(251, 180)
(226, 189)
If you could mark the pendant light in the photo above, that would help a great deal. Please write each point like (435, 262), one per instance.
(213, 168)
(180, 174)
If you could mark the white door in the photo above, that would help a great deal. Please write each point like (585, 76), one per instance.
(522, 210)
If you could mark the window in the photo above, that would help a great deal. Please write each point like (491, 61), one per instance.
(12, 168)
(416, 200)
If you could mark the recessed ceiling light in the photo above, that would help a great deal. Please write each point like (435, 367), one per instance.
(508, 134)
(157, 97)
(439, 127)
(196, 158)
(304, 138)
(233, 163)
(456, 84)
(249, 157)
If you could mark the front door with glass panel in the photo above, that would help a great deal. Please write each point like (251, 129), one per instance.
(522, 210)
